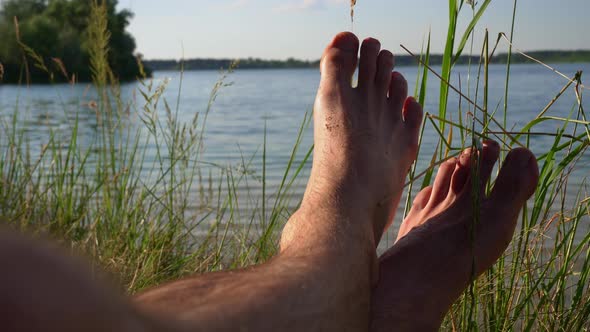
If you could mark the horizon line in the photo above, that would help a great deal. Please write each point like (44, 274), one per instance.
(318, 59)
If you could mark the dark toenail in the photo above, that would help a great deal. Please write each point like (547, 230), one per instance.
(532, 162)
(409, 102)
(492, 148)
(491, 143)
(372, 41)
(346, 42)
(529, 162)
(387, 54)
(508, 158)
(522, 160)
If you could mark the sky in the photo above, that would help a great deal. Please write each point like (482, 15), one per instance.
(279, 29)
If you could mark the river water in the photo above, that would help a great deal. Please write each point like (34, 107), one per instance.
(277, 100)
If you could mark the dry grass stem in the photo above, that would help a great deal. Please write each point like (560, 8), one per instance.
(352, 4)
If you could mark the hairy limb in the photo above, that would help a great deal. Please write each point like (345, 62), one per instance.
(320, 282)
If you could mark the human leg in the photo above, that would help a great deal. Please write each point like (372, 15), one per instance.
(366, 139)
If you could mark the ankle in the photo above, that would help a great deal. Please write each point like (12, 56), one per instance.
(335, 221)
(342, 186)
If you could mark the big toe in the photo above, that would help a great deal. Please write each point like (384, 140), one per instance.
(340, 58)
(516, 183)
(514, 186)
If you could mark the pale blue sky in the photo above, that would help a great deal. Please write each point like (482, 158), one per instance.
(301, 28)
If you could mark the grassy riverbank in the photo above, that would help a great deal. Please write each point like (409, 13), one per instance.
(136, 217)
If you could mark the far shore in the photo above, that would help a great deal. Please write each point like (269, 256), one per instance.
(552, 56)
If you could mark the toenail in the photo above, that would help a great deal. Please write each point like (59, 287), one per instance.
(397, 76)
(490, 143)
(492, 149)
(527, 162)
(521, 160)
(532, 161)
(464, 159)
(372, 41)
(387, 54)
(409, 102)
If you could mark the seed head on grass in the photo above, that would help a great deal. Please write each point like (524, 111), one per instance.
(62, 68)
(132, 214)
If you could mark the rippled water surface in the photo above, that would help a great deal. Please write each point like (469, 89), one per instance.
(276, 101)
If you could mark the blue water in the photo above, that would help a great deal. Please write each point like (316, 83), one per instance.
(277, 100)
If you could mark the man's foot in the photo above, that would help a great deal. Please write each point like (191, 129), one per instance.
(441, 246)
(365, 141)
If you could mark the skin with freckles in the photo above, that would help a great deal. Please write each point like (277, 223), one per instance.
(365, 141)
(366, 137)
(327, 276)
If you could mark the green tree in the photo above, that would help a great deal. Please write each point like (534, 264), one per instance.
(54, 32)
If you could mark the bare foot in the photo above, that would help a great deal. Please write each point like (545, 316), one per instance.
(441, 246)
(365, 141)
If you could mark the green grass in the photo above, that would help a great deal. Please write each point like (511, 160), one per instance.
(542, 281)
(135, 217)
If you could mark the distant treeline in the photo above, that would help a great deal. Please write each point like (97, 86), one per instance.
(216, 64)
(401, 60)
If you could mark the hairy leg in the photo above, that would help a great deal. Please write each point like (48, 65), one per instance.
(366, 139)
(43, 288)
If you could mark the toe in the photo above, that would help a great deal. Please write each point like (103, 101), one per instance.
(467, 158)
(340, 58)
(466, 168)
(516, 182)
(398, 92)
(385, 65)
(442, 183)
(368, 63)
(489, 156)
(462, 172)
(412, 221)
(422, 199)
(412, 113)
(412, 124)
